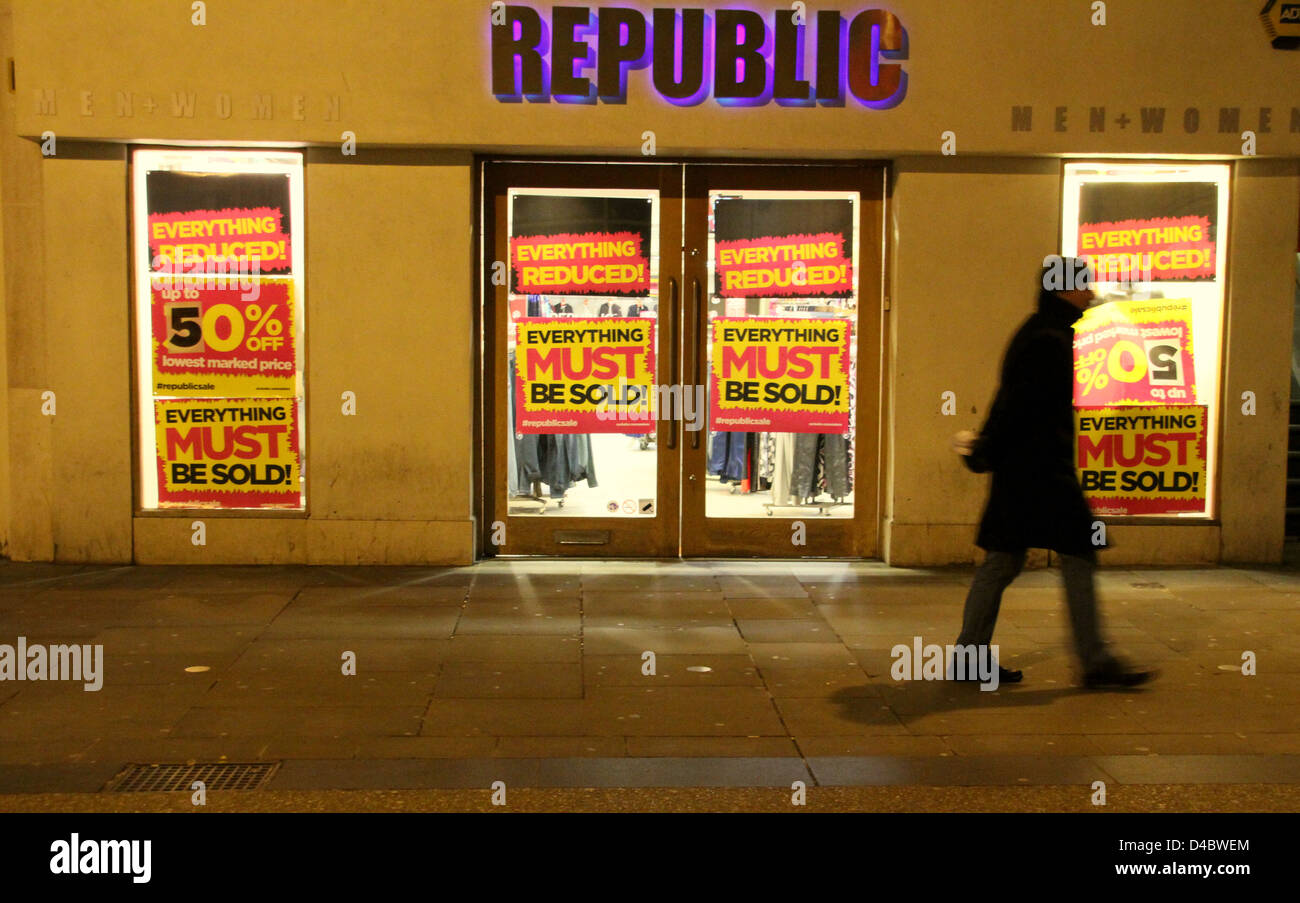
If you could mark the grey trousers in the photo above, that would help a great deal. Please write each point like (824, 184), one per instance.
(803, 479)
(996, 574)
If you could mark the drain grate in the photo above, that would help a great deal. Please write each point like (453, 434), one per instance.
(214, 775)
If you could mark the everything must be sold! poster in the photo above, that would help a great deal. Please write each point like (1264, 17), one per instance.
(228, 452)
(780, 375)
(1135, 352)
(1147, 459)
(584, 375)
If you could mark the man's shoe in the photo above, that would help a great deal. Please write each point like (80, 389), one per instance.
(1005, 676)
(1115, 674)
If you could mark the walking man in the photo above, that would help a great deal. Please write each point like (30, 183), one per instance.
(1028, 443)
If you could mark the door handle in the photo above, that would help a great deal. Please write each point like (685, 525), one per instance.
(674, 349)
(695, 352)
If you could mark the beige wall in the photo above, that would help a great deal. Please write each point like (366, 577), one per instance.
(417, 72)
(1261, 305)
(961, 285)
(389, 317)
(7, 139)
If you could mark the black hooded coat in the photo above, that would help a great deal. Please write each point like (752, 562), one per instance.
(1028, 442)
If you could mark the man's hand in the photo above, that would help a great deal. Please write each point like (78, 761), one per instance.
(963, 443)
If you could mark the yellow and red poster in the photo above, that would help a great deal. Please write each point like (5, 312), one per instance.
(242, 239)
(1164, 249)
(1135, 352)
(581, 245)
(780, 375)
(597, 263)
(584, 375)
(228, 452)
(783, 266)
(1149, 231)
(1142, 460)
(225, 342)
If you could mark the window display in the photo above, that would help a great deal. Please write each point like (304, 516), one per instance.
(783, 352)
(1147, 355)
(582, 350)
(219, 328)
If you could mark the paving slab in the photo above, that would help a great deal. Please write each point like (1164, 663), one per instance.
(396, 621)
(755, 607)
(359, 596)
(300, 721)
(725, 771)
(1253, 769)
(505, 648)
(957, 770)
(737, 747)
(491, 623)
(817, 683)
(662, 641)
(702, 670)
(543, 747)
(87, 777)
(503, 718)
(859, 744)
(805, 655)
(784, 630)
(669, 711)
(264, 690)
(324, 658)
(510, 680)
(737, 586)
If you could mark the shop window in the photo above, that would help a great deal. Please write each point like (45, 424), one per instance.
(218, 244)
(1147, 357)
(584, 264)
(783, 353)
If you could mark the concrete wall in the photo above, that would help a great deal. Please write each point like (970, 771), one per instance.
(6, 135)
(961, 285)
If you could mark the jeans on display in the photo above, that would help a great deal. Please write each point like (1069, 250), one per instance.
(782, 467)
(727, 456)
(995, 575)
(834, 452)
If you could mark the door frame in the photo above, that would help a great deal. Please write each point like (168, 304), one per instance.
(872, 178)
(630, 537)
(828, 537)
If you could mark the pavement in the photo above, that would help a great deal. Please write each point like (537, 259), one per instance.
(538, 674)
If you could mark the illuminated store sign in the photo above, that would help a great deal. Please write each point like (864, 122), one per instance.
(734, 55)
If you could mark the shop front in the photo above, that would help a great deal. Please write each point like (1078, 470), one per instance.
(477, 279)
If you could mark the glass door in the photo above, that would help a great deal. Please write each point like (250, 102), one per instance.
(681, 359)
(582, 268)
(783, 268)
